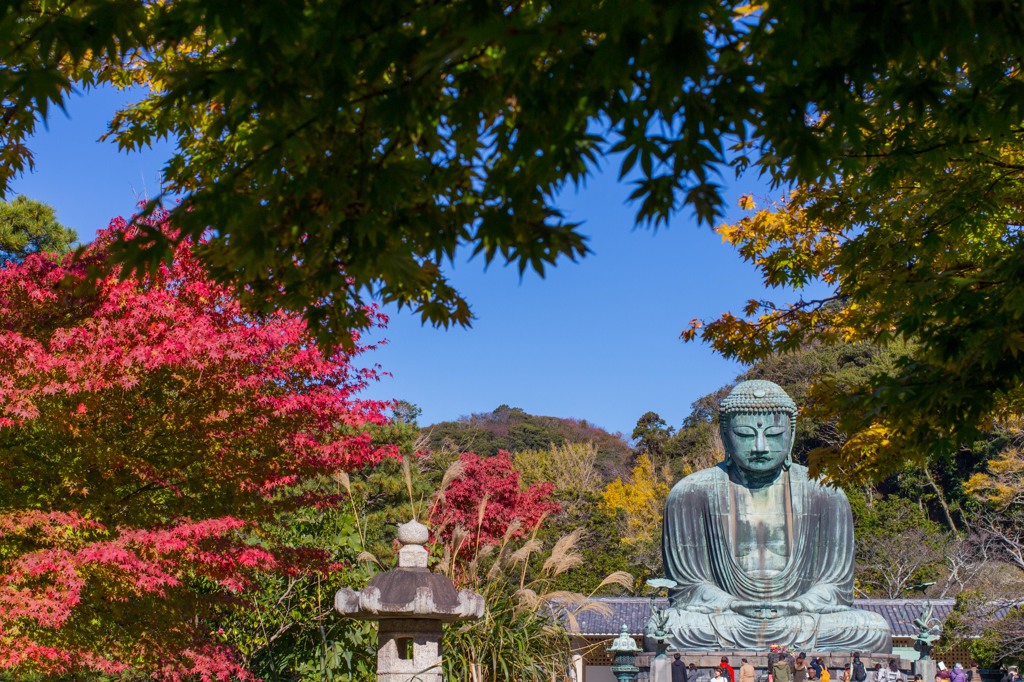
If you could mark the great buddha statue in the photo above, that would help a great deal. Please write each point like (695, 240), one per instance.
(760, 552)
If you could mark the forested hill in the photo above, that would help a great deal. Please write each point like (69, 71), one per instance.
(515, 430)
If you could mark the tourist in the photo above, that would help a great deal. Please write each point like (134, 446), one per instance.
(825, 676)
(959, 674)
(747, 672)
(782, 669)
(691, 672)
(800, 668)
(679, 670)
(816, 665)
(944, 672)
(718, 674)
(727, 670)
(892, 674)
(877, 675)
(859, 673)
(773, 656)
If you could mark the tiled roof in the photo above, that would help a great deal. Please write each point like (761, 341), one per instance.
(900, 613)
(634, 612)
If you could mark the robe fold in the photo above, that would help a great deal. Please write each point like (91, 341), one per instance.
(698, 544)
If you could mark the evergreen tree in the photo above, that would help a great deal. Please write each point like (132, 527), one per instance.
(28, 226)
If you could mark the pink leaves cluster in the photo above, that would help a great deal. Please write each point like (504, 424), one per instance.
(488, 496)
(147, 430)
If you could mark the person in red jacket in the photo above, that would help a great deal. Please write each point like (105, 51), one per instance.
(727, 669)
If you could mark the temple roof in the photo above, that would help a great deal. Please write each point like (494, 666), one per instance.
(634, 612)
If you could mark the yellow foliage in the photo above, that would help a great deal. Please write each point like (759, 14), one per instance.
(1002, 484)
(639, 503)
(859, 453)
(790, 248)
(746, 10)
(570, 467)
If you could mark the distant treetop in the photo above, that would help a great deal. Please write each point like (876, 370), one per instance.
(28, 226)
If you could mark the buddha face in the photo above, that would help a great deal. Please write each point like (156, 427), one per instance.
(758, 443)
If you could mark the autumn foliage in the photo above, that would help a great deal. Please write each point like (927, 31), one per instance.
(486, 497)
(641, 502)
(148, 430)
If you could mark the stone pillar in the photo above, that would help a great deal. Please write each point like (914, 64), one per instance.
(409, 649)
(661, 669)
(578, 664)
(926, 669)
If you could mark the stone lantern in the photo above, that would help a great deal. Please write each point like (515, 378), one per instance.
(411, 604)
(624, 649)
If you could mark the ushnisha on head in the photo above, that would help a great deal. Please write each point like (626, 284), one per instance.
(758, 422)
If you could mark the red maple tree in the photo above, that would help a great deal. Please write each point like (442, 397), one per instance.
(487, 497)
(147, 430)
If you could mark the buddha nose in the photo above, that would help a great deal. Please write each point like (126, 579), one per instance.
(760, 442)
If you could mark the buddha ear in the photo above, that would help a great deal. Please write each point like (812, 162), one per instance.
(788, 462)
(723, 426)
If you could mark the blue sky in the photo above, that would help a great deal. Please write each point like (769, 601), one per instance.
(596, 340)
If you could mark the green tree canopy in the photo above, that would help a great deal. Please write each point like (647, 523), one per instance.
(651, 433)
(346, 149)
(29, 226)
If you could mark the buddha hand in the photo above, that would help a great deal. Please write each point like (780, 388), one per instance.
(766, 610)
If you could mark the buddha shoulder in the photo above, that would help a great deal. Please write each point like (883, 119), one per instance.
(800, 476)
(699, 482)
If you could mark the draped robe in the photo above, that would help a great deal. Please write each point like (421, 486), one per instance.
(699, 548)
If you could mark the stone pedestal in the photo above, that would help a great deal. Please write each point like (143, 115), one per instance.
(926, 669)
(661, 669)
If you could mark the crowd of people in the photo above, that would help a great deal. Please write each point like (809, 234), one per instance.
(783, 666)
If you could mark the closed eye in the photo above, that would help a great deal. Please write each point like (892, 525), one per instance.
(774, 431)
(744, 431)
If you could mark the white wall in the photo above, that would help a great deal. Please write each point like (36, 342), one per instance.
(598, 673)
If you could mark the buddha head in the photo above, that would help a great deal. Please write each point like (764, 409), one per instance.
(758, 422)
